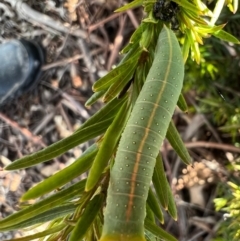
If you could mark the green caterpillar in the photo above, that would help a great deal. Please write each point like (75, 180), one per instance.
(140, 143)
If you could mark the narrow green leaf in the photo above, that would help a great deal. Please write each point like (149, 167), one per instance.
(108, 146)
(211, 102)
(98, 123)
(149, 213)
(131, 47)
(234, 186)
(133, 4)
(125, 88)
(176, 142)
(189, 6)
(119, 85)
(182, 104)
(194, 45)
(113, 76)
(225, 36)
(209, 29)
(144, 64)
(147, 37)
(151, 237)
(54, 213)
(185, 49)
(127, 75)
(172, 209)
(136, 36)
(154, 205)
(194, 16)
(160, 182)
(159, 232)
(185, 20)
(43, 205)
(62, 146)
(41, 234)
(64, 176)
(127, 64)
(229, 128)
(87, 218)
(97, 228)
(89, 236)
(220, 203)
(95, 97)
(107, 111)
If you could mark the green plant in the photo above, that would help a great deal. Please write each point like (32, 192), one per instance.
(215, 79)
(229, 204)
(76, 211)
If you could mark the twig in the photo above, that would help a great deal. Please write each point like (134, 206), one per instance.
(88, 60)
(7, 11)
(30, 14)
(62, 62)
(133, 18)
(74, 105)
(225, 88)
(197, 235)
(117, 43)
(102, 22)
(210, 127)
(204, 144)
(65, 117)
(213, 145)
(24, 131)
(66, 61)
(43, 123)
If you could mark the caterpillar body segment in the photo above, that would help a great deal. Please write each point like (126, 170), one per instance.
(140, 143)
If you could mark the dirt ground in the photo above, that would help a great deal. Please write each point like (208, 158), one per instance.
(82, 40)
